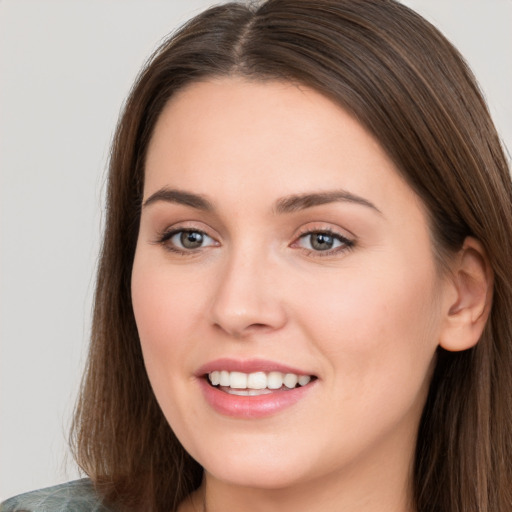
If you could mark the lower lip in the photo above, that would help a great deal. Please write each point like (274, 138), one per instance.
(251, 407)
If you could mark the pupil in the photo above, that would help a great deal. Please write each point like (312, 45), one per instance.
(191, 239)
(322, 242)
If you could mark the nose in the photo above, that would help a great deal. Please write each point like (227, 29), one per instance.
(247, 297)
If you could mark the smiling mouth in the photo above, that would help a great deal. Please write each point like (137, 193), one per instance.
(257, 383)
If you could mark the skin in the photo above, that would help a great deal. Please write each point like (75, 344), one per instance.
(366, 319)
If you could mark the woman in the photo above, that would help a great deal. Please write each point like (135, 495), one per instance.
(303, 296)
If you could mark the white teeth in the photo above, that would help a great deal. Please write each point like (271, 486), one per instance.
(259, 382)
(290, 380)
(274, 380)
(224, 378)
(248, 392)
(304, 379)
(215, 378)
(238, 380)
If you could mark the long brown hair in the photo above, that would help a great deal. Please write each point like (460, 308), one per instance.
(412, 90)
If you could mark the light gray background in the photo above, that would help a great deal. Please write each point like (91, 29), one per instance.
(65, 68)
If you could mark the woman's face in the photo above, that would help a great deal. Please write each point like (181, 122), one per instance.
(277, 241)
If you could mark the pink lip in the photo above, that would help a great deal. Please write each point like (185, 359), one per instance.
(247, 366)
(250, 407)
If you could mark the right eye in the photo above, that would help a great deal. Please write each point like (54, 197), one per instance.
(184, 240)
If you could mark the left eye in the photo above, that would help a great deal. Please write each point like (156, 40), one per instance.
(189, 239)
(322, 241)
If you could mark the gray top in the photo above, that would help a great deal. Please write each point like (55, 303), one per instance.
(75, 496)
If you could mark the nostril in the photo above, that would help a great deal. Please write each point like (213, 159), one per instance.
(258, 326)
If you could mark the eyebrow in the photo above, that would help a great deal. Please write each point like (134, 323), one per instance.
(169, 195)
(298, 202)
(288, 204)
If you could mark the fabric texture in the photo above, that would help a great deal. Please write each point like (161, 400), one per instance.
(75, 496)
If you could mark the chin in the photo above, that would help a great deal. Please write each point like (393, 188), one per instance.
(268, 476)
(258, 467)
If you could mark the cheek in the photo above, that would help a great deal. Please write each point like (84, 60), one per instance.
(378, 328)
(166, 311)
(163, 303)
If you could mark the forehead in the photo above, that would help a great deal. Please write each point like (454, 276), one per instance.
(234, 137)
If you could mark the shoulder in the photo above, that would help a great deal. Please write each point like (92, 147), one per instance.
(76, 496)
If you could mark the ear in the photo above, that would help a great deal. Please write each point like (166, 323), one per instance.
(469, 303)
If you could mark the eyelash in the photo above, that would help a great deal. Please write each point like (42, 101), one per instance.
(166, 236)
(346, 244)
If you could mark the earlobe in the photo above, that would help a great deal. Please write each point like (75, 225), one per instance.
(469, 307)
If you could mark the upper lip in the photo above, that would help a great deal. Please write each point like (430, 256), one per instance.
(248, 366)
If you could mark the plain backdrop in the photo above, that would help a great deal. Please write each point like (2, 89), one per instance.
(65, 69)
